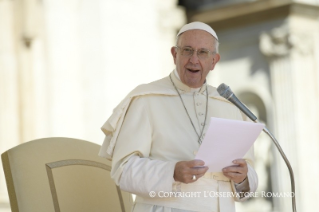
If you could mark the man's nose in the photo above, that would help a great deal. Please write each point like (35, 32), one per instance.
(194, 58)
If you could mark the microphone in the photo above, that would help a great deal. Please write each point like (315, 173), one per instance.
(225, 91)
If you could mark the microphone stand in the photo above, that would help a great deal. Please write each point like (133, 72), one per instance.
(226, 92)
(291, 173)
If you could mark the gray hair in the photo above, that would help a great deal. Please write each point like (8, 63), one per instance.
(216, 42)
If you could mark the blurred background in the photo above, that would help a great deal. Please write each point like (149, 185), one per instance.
(64, 66)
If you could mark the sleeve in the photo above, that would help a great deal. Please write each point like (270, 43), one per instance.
(252, 179)
(132, 169)
(243, 186)
(143, 175)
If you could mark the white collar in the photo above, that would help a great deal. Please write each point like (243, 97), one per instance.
(191, 89)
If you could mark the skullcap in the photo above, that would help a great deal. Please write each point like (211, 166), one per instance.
(197, 25)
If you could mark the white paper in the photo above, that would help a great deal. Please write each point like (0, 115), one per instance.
(226, 140)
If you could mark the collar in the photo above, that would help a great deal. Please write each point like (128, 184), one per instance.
(185, 88)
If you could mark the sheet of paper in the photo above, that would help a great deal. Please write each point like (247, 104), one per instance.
(226, 140)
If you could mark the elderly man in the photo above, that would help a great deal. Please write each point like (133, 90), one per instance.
(154, 134)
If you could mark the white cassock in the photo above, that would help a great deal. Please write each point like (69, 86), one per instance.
(150, 131)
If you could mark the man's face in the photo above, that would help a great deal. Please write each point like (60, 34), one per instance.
(191, 69)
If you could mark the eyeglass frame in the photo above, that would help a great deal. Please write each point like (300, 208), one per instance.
(209, 51)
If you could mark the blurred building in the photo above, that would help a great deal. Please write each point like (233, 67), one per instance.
(270, 58)
(64, 65)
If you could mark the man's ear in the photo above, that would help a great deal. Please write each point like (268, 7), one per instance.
(216, 58)
(174, 53)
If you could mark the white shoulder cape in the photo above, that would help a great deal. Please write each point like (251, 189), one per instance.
(113, 125)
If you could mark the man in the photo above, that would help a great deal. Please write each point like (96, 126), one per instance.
(154, 134)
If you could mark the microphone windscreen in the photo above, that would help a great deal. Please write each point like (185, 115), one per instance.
(224, 90)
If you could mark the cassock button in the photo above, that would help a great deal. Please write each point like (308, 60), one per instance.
(198, 103)
(202, 124)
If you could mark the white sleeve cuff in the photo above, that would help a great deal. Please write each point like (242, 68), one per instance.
(243, 186)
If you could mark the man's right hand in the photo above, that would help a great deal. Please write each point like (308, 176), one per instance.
(185, 170)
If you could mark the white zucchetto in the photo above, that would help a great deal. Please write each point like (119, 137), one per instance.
(197, 25)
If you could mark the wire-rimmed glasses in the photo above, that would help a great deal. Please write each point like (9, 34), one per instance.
(189, 51)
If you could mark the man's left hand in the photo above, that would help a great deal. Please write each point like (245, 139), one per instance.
(236, 173)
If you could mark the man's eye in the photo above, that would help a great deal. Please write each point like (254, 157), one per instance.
(187, 50)
(203, 52)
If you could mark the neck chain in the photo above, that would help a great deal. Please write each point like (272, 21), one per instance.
(199, 136)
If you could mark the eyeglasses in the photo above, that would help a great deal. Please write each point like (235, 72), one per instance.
(189, 51)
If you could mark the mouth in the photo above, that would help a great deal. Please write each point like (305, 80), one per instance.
(193, 70)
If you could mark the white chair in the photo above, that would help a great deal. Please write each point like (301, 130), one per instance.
(61, 174)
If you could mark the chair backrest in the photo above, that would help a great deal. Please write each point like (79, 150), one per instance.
(61, 174)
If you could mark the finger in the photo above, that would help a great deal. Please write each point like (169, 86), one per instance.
(195, 163)
(228, 176)
(199, 171)
(233, 174)
(191, 178)
(240, 162)
(234, 169)
(184, 173)
(237, 178)
(197, 176)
